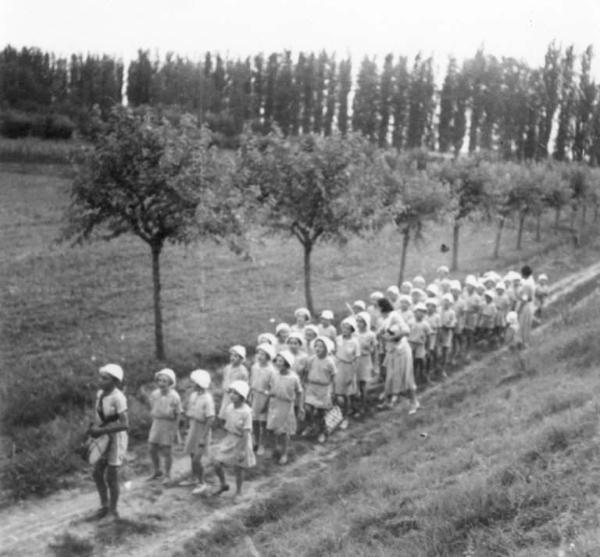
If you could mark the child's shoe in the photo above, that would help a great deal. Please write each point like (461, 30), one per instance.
(200, 489)
(260, 451)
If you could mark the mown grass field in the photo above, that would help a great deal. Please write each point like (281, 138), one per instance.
(502, 461)
(65, 310)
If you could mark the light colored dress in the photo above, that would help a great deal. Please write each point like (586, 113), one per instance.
(472, 308)
(261, 378)
(367, 343)
(113, 404)
(300, 365)
(461, 315)
(502, 305)
(446, 330)
(330, 331)
(285, 389)
(487, 316)
(525, 301)
(399, 364)
(233, 449)
(346, 362)
(231, 374)
(200, 408)
(165, 411)
(319, 382)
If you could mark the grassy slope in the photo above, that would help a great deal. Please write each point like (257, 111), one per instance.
(509, 466)
(65, 310)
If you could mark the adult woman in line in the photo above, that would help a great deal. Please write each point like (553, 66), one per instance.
(111, 420)
(389, 317)
(524, 308)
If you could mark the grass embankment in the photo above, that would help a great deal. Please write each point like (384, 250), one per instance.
(32, 150)
(66, 310)
(503, 460)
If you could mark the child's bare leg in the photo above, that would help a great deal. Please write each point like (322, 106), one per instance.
(168, 457)
(154, 457)
(101, 486)
(112, 479)
(220, 474)
(239, 479)
(197, 468)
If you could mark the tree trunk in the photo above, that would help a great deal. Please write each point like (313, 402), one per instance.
(307, 289)
(556, 218)
(158, 332)
(538, 228)
(405, 241)
(498, 238)
(455, 239)
(573, 215)
(520, 231)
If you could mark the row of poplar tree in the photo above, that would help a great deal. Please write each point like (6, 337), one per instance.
(484, 103)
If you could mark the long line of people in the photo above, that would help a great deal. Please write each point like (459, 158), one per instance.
(308, 378)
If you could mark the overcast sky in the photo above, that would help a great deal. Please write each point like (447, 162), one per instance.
(520, 28)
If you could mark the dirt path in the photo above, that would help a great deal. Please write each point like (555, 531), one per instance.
(156, 520)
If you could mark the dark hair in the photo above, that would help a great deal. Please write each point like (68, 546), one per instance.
(526, 271)
(385, 305)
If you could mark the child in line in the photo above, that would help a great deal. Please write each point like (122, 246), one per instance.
(487, 317)
(542, 289)
(285, 395)
(296, 347)
(367, 343)
(234, 371)
(261, 377)
(165, 411)
(201, 415)
(433, 319)
(502, 303)
(511, 335)
(319, 387)
(111, 420)
(446, 330)
(311, 332)
(326, 327)
(302, 316)
(418, 336)
(346, 358)
(459, 306)
(472, 306)
(282, 332)
(235, 449)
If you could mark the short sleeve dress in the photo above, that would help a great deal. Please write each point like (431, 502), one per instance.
(201, 407)
(346, 361)
(284, 391)
(235, 449)
(399, 364)
(367, 345)
(165, 410)
(319, 382)
(417, 338)
(261, 378)
(108, 408)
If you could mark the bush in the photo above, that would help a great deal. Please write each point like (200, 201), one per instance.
(58, 126)
(15, 124)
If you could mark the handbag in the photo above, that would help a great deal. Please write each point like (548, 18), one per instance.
(333, 418)
(96, 448)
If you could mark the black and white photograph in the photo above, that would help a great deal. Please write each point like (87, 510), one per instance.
(299, 278)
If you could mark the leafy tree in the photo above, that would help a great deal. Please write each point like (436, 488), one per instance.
(411, 198)
(584, 110)
(564, 133)
(319, 91)
(364, 107)
(331, 96)
(448, 98)
(139, 79)
(345, 80)
(469, 191)
(385, 99)
(270, 89)
(399, 102)
(143, 176)
(421, 104)
(285, 108)
(475, 70)
(313, 187)
(549, 97)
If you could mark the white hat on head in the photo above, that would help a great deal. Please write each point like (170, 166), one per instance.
(239, 350)
(455, 285)
(287, 357)
(312, 328)
(543, 276)
(433, 289)
(167, 373)
(366, 317)
(490, 294)
(448, 298)
(329, 346)
(512, 275)
(431, 302)
(349, 321)
(302, 311)
(500, 286)
(268, 338)
(298, 336)
(268, 349)
(360, 304)
(443, 269)
(282, 327)
(393, 290)
(327, 314)
(407, 284)
(471, 281)
(377, 295)
(114, 370)
(405, 298)
(201, 377)
(421, 293)
(420, 307)
(241, 388)
(419, 280)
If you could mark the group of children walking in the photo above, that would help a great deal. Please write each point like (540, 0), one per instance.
(308, 377)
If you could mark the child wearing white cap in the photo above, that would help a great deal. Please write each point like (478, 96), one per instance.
(302, 316)
(459, 307)
(200, 412)
(542, 289)
(319, 386)
(235, 449)
(261, 377)
(472, 307)
(234, 371)
(367, 342)
(285, 394)
(112, 421)
(326, 326)
(502, 303)
(282, 332)
(446, 330)
(487, 317)
(347, 353)
(433, 318)
(165, 409)
(417, 338)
